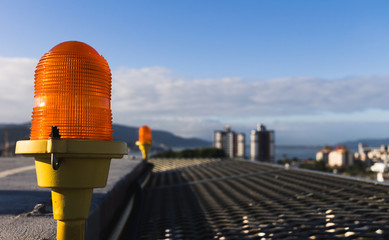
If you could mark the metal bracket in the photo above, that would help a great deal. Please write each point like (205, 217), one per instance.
(55, 162)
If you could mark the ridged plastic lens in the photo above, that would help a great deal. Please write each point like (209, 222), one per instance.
(72, 92)
(144, 134)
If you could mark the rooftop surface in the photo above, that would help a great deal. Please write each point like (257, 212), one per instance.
(232, 199)
(205, 199)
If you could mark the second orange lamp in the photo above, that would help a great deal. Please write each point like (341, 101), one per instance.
(144, 142)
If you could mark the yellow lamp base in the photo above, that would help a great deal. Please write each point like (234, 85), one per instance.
(71, 229)
(84, 165)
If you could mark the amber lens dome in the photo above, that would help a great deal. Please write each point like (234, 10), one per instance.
(72, 92)
(144, 134)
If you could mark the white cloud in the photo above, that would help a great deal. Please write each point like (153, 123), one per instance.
(156, 92)
(158, 97)
(16, 89)
(196, 107)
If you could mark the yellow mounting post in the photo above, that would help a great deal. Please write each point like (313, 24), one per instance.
(81, 165)
(144, 147)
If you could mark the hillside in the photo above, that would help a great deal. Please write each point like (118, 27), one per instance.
(370, 142)
(15, 132)
(160, 138)
(120, 133)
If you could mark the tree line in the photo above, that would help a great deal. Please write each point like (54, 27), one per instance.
(192, 153)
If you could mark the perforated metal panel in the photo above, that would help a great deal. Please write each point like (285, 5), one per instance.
(243, 200)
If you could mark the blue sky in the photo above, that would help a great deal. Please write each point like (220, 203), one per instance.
(314, 71)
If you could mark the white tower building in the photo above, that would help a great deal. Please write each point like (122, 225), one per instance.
(232, 143)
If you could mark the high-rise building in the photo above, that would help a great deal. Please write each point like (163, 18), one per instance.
(241, 145)
(262, 144)
(232, 143)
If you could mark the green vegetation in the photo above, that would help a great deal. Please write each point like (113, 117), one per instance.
(192, 153)
(294, 161)
(315, 165)
(358, 169)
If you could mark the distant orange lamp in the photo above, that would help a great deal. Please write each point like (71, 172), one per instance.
(71, 132)
(144, 142)
(144, 134)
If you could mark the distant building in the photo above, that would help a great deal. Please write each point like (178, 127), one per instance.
(371, 155)
(322, 155)
(232, 143)
(340, 157)
(241, 145)
(262, 144)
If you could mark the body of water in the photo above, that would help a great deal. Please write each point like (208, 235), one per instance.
(300, 152)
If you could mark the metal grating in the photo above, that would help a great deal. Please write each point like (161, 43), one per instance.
(243, 200)
(165, 164)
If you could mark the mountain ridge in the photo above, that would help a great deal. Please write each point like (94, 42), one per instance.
(128, 134)
(371, 142)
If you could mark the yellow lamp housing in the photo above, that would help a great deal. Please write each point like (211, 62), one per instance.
(71, 132)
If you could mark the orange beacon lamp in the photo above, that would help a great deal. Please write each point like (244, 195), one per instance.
(71, 131)
(144, 141)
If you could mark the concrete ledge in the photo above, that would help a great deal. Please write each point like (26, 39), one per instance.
(108, 203)
(19, 194)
